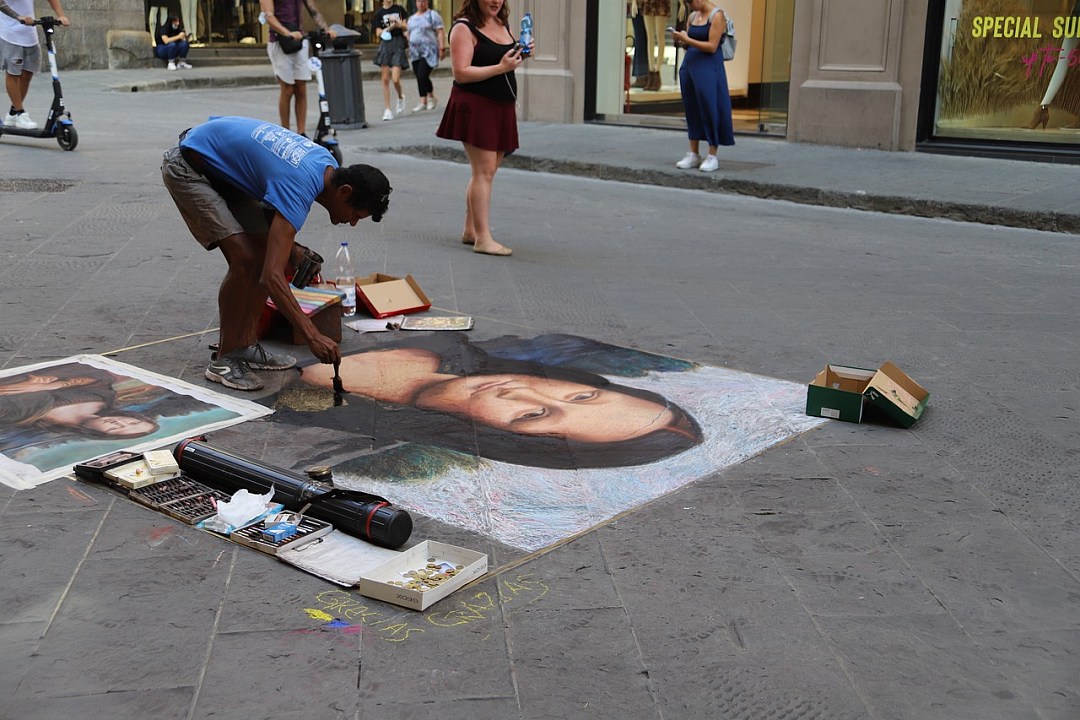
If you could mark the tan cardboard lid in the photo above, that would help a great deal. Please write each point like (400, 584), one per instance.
(386, 295)
(843, 377)
(900, 390)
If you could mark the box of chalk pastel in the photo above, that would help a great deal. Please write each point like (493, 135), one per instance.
(135, 474)
(94, 470)
(161, 462)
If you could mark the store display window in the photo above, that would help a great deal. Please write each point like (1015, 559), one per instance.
(1009, 71)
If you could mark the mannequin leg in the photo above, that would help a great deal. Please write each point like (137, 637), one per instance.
(650, 42)
(158, 17)
(189, 18)
(656, 29)
(640, 65)
(1057, 79)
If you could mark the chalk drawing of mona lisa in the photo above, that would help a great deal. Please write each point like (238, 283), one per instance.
(529, 441)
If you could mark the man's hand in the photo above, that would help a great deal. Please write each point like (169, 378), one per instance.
(27, 20)
(324, 348)
(64, 21)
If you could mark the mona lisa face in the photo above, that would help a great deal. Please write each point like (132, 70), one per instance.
(119, 425)
(538, 406)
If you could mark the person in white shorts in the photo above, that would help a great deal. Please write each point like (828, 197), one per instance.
(20, 55)
(291, 69)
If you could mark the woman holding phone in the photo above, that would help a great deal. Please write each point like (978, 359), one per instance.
(706, 101)
(480, 112)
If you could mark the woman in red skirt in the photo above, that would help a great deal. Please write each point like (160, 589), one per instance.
(481, 111)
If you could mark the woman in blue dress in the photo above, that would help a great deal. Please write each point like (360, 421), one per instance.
(706, 101)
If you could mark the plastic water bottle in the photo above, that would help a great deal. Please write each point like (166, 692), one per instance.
(526, 33)
(345, 279)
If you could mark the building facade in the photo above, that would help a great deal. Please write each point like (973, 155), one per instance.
(993, 77)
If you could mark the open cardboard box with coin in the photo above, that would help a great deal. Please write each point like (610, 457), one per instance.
(841, 392)
(419, 577)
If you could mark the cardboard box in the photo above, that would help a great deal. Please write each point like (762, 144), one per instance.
(386, 295)
(897, 395)
(841, 392)
(323, 307)
(375, 583)
(837, 393)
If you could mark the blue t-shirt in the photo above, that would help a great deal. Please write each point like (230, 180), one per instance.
(266, 161)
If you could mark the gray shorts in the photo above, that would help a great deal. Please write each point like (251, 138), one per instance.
(289, 68)
(16, 58)
(213, 210)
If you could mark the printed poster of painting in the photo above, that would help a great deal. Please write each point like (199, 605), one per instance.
(57, 414)
(531, 441)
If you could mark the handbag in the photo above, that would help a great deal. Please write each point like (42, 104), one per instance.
(728, 41)
(289, 45)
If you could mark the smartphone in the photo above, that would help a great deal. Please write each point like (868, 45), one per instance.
(670, 29)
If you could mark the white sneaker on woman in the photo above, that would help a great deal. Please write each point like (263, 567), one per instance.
(420, 108)
(710, 164)
(388, 115)
(400, 105)
(692, 160)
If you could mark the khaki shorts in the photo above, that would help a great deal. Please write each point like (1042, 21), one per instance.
(16, 58)
(213, 210)
(289, 68)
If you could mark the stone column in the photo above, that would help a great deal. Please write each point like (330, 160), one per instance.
(856, 69)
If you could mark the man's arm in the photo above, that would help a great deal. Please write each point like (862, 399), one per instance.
(267, 7)
(6, 9)
(60, 16)
(279, 246)
(318, 18)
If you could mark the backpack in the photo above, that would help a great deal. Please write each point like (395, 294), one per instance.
(728, 41)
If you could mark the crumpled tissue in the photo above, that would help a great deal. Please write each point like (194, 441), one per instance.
(244, 508)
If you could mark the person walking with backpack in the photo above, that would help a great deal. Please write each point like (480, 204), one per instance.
(706, 101)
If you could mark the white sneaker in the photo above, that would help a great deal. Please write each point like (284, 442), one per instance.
(183, 64)
(400, 105)
(692, 160)
(388, 115)
(710, 164)
(172, 65)
(420, 108)
(22, 121)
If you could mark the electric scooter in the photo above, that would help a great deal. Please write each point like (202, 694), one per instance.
(325, 134)
(58, 124)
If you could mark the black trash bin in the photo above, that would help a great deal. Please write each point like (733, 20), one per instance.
(344, 86)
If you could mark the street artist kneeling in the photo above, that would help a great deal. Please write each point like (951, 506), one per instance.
(247, 186)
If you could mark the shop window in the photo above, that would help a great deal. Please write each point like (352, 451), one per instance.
(637, 63)
(1009, 71)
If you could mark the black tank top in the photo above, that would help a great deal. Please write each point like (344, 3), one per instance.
(487, 53)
